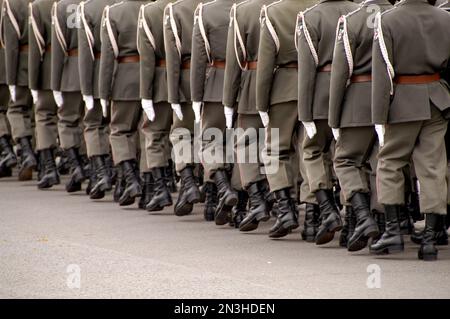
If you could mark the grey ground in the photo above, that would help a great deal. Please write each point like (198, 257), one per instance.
(129, 253)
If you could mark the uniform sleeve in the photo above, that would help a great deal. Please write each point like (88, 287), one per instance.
(34, 53)
(172, 57)
(147, 62)
(307, 73)
(266, 65)
(107, 61)
(86, 64)
(232, 71)
(381, 80)
(12, 45)
(199, 61)
(340, 73)
(58, 54)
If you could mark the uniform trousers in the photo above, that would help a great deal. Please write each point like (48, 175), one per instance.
(69, 118)
(46, 121)
(96, 131)
(19, 114)
(424, 143)
(4, 100)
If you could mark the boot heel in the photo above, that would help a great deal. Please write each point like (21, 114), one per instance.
(194, 198)
(335, 227)
(262, 217)
(372, 232)
(290, 225)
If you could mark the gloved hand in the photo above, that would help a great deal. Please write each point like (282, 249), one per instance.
(264, 118)
(197, 107)
(380, 129)
(336, 133)
(88, 101)
(12, 93)
(57, 95)
(104, 104)
(147, 106)
(311, 129)
(177, 109)
(229, 112)
(34, 94)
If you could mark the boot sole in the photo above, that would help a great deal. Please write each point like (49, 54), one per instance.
(428, 257)
(50, 184)
(222, 215)
(250, 226)
(158, 208)
(328, 236)
(388, 250)
(361, 242)
(284, 230)
(184, 210)
(130, 199)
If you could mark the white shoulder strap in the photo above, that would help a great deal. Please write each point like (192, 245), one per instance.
(238, 38)
(343, 32)
(142, 22)
(12, 18)
(173, 25)
(58, 31)
(199, 19)
(89, 36)
(384, 53)
(264, 19)
(304, 27)
(110, 31)
(2, 40)
(37, 34)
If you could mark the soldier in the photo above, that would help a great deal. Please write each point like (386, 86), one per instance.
(315, 60)
(39, 73)
(65, 83)
(119, 83)
(95, 125)
(410, 104)
(178, 26)
(276, 97)
(207, 76)
(350, 117)
(239, 85)
(15, 28)
(153, 92)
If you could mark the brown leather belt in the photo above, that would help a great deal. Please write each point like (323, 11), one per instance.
(129, 59)
(362, 78)
(24, 48)
(252, 65)
(72, 52)
(417, 79)
(292, 65)
(98, 55)
(186, 65)
(218, 64)
(325, 68)
(161, 63)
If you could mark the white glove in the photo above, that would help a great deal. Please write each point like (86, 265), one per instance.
(104, 104)
(34, 94)
(264, 118)
(88, 101)
(336, 133)
(12, 92)
(229, 112)
(197, 107)
(177, 109)
(147, 106)
(311, 129)
(380, 129)
(57, 95)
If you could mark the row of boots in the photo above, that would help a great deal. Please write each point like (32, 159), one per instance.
(8, 160)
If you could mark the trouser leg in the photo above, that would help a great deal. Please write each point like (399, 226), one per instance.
(182, 137)
(69, 115)
(125, 116)
(4, 100)
(95, 132)
(306, 196)
(19, 114)
(46, 121)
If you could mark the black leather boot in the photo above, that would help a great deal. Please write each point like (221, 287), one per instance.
(312, 222)
(133, 187)
(50, 175)
(337, 195)
(147, 190)
(103, 182)
(287, 218)
(259, 210)
(330, 218)
(413, 206)
(161, 195)
(28, 160)
(433, 224)
(7, 157)
(189, 193)
(77, 173)
(5, 171)
(239, 210)
(227, 198)
(91, 177)
(392, 240)
(366, 226)
(62, 162)
(170, 177)
(406, 221)
(345, 232)
(441, 235)
(381, 222)
(119, 186)
(211, 201)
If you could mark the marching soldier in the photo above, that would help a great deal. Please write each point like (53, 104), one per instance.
(207, 78)
(39, 74)
(276, 98)
(119, 83)
(315, 59)
(410, 104)
(65, 83)
(95, 125)
(15, 29)
(350, 117)
(153, 92)
(178, 26)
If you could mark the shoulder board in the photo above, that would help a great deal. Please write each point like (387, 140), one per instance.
(264, 8)
(177, 2)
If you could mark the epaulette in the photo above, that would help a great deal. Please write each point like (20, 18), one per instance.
(264, 9)
(264, 20)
